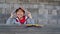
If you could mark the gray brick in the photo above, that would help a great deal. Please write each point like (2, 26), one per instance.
(8, 10)
(7, 7)
(54, 12)
(43, 11)
(27, 1)
(19, 1)
(30, 5)
(7, 33)
(59, 21)
(1, 5)
(49, 7)
(11, 1)
(33, 1)
(57, 7)
(16, 6)
(41, 6)
(58, 12)
(3, 11)
(0, 10)
(43, 21)
(4, 5)
(52, 21)
(2, 1)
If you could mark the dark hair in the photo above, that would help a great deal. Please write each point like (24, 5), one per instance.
(19, 9)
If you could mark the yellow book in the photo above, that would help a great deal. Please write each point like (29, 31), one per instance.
(34, 25)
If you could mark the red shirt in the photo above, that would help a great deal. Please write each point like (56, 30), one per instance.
(22, 21)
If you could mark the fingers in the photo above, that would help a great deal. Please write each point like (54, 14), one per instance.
(12, 14)
(29, 15)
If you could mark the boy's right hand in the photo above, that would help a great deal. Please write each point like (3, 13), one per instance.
(12, 15)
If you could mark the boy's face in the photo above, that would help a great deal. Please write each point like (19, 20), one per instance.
(20, 14)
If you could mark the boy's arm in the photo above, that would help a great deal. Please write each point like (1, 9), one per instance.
(10, 21)
(30, 21)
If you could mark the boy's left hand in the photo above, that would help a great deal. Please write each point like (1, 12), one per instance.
(29, 15)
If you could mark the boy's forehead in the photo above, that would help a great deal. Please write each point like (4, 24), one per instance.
(19, 11)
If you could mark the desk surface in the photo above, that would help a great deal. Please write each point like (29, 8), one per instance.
(15, 29)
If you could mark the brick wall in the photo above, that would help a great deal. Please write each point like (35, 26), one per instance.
(43, 12)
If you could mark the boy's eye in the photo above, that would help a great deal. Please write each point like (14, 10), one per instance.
(18, 14)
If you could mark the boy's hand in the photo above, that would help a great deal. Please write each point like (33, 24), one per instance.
(12, 15)
(29, 15)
